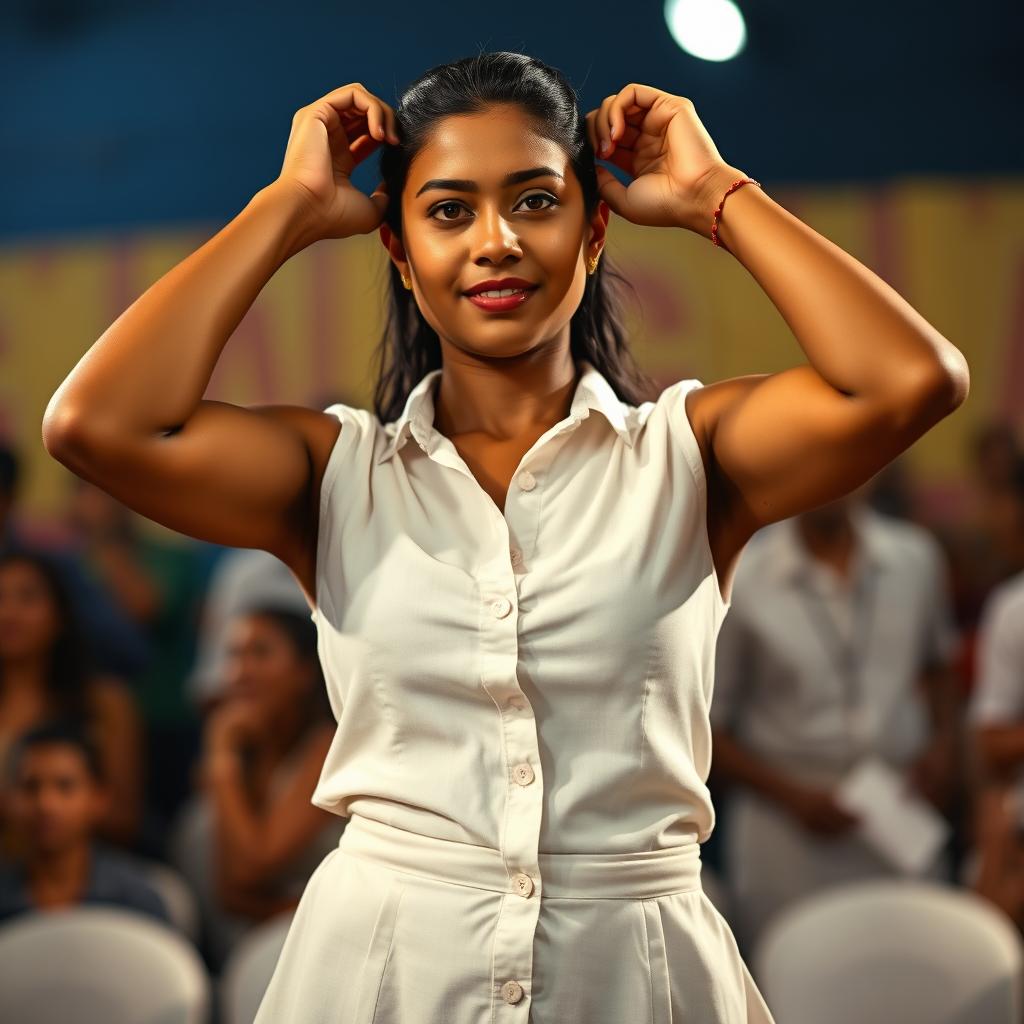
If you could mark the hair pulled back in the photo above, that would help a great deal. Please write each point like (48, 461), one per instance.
(409, 347)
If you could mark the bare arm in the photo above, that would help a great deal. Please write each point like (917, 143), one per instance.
(256, 846)
(878, 374)
(130, 416)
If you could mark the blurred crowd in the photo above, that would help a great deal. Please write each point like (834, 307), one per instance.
(163, 711)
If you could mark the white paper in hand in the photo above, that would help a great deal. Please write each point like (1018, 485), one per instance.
(898, 822)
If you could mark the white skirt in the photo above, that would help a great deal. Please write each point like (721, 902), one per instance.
(394, 927)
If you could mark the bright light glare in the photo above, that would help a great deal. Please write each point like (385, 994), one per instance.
(708, 29)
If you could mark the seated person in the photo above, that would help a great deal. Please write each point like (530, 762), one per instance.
(47, 672)
(250, 837)
(57, 798)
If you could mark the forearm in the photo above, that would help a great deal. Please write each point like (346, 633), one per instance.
(735, 764)
(237, 826)
(148, 371)
(859, 334)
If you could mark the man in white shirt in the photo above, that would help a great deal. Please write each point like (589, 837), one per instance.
(837, 646)
(995, 717)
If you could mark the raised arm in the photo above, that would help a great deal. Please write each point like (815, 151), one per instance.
(131, 417)
(878, 374)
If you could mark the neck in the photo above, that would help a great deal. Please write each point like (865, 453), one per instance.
(65, 868)
(829, 537)
(504, 398)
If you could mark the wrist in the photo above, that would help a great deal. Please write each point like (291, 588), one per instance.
(290, 210)
(699, 210)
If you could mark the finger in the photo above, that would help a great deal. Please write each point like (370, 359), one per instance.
(612, 191)
(604, 126)
(624, 121)
(392, 122)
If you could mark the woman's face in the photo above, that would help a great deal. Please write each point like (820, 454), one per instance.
(28, 615)
(262, 669)
(456, 236)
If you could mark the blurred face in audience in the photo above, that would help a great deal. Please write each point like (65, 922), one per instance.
(264, 670)
(55, 802)
(28, 616)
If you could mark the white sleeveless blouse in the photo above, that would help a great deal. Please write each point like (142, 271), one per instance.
(569, 643)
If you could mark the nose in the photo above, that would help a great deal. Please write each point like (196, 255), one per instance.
(495, 237)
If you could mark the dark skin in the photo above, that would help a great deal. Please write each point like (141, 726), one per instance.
(878, 376)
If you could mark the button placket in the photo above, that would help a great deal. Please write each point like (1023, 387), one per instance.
(512, 960)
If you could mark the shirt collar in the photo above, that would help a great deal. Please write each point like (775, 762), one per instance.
(789, 556)
(593, 392)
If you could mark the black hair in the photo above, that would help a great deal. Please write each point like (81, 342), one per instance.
(10, 471)
(470, 86)
(60, 731)
(72, 660)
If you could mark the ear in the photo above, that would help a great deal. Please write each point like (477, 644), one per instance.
(395, 248)
(599, 226)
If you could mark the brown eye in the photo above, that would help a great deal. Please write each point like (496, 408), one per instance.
(452, 203)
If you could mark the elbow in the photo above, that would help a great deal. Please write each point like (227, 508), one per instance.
(63, 434)
(943, 385)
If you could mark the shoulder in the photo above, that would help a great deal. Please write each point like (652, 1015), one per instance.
(121, 879)
(907, 540)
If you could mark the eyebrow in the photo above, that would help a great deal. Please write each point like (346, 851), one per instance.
(466, 185)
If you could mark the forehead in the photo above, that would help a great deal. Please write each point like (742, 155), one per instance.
(484, 147)
(62, 757)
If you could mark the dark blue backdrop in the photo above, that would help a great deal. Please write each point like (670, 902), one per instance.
(118, 113)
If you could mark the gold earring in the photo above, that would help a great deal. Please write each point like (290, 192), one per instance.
(592, 264)
(407, 282)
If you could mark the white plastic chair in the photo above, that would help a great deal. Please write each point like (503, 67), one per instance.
(177, 896)
(99, 965)
(248, 969)
(891, 951)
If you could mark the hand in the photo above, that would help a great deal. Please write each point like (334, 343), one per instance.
(657, 138)
(819, 811)
(329, 138)
(230, 726)
(933, 773)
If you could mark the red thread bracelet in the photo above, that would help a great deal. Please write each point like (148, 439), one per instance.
(718, 213)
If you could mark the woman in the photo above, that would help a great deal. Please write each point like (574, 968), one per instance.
(517, 612)
(250, 838)
(46, 673)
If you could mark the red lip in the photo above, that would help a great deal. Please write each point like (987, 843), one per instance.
(504, 282)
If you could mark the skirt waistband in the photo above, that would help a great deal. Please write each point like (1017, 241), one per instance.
(641, 875)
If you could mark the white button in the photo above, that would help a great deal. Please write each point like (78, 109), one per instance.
(526, 480)
(423, 447)
(516, 555)
(524, 884)
(523, 774)
(500, 607)
(512, 991)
